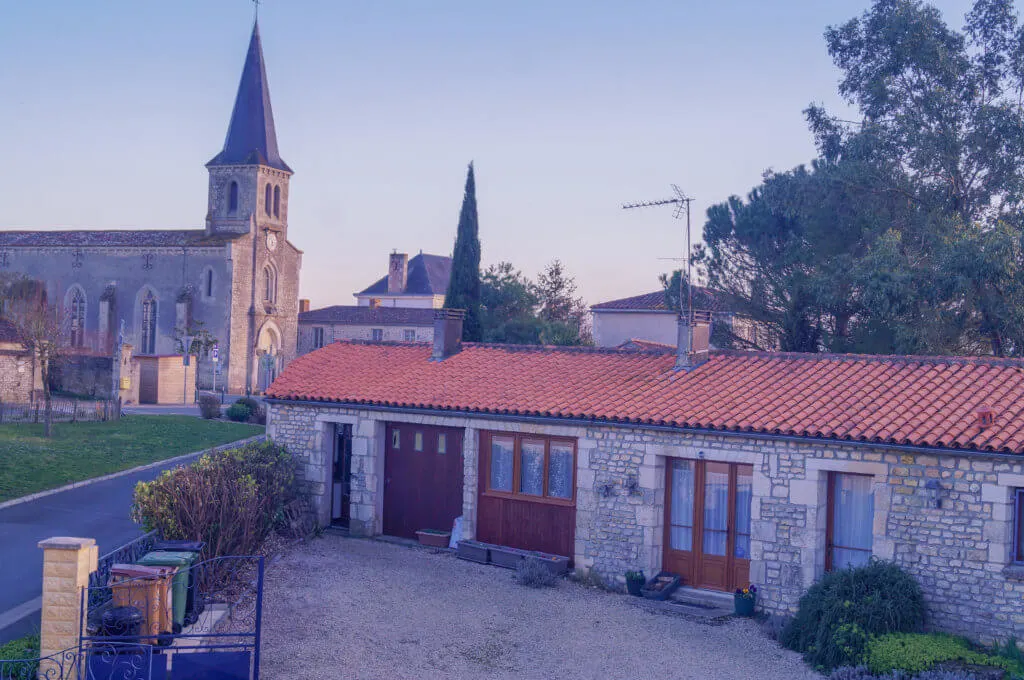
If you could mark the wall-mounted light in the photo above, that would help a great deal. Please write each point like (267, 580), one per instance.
(632, 484)
(607, 489)
(933, 491)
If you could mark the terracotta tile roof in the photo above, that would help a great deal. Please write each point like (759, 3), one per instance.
(921, 401)
(703, 298)
(369, 316)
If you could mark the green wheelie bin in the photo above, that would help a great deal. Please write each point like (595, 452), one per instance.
(179, 586)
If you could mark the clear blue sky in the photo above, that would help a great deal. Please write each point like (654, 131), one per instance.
(569, 108)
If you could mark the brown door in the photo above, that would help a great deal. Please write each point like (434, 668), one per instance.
(422, 478)
(707, 523)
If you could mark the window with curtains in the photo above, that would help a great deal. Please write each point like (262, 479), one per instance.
(1018, 527)
(531, 467)
(318, 337)
(851, 510)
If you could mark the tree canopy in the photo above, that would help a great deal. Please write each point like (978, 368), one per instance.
(520, 311)
(464, 284)
(905, 234)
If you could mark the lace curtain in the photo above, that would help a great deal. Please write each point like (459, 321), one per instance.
(853, 512)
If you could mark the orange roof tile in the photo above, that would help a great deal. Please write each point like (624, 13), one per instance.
(922, 401)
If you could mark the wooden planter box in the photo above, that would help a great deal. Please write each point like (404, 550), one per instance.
(556, 564)
(434, 538)
(474, 552)
(507, 557)
(661, 586)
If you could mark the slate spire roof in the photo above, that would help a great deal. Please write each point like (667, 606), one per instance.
(251, 136)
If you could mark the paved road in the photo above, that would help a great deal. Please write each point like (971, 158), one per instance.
(97, 511)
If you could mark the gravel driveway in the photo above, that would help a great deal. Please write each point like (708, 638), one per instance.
(353, 608)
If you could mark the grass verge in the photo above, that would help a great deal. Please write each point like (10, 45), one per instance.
(79, 451)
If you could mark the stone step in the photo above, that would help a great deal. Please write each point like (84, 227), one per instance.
(700, 605)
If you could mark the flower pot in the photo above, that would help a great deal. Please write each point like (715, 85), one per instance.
(434, 538)
(634, 586)
(661, 586)
(507, 557)
(474, 551)
(744, 605)
(556, 564)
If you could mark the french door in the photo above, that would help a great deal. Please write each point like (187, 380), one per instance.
(707, 522)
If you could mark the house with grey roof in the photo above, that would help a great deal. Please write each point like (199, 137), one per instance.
(398, 307)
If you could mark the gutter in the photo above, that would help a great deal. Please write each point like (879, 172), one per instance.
(584, 422)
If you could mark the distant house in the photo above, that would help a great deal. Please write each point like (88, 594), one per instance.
(648, 318)
(321, 327)
(397, 308)
(419, 282)
(19, 373)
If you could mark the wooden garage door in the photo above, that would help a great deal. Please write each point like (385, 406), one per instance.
(527, 492)
(422, 478)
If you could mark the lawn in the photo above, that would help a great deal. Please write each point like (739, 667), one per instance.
(77, 451)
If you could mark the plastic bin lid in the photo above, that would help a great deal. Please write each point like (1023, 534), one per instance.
(167, 558)
(139, 571)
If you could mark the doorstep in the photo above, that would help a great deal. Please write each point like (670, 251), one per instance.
(709, 606)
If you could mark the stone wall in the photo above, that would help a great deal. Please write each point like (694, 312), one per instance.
(18, 375)
(959, 552)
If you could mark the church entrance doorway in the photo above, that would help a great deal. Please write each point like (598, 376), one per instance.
(268, 360)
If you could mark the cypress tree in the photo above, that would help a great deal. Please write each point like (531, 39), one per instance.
(464, 285)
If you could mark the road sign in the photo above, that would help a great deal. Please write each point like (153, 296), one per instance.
(215, 354)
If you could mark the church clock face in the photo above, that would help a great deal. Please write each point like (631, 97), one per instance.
(271, 240)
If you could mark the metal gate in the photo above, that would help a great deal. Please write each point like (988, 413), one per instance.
(199, 625)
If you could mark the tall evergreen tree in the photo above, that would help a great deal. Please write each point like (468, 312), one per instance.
(464, 285)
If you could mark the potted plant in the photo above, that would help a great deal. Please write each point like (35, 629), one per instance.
(635, 583)
(744, 600)
(661, 586)
(435, 538)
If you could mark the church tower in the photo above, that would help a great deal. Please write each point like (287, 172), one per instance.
(248, 191)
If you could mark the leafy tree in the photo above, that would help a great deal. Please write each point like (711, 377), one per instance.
(564, 313)
(464, 285)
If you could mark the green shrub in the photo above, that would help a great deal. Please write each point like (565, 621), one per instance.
(21, 649)
(840, 613)
(240, 413)
(231, 500)
(862, 673)
(916, 652)
(533, 574)
(209, 406)
(257, 413)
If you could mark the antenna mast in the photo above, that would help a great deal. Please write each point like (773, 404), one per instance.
(682, 203)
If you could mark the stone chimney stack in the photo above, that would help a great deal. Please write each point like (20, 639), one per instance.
(303, 306)
(447, 333)
(398, 273)
(694, 340)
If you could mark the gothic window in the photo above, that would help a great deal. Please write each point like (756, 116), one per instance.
(76, 316)
(267, 199)
(269, 284)
(233, 198)
(277, 201)
(148, 323)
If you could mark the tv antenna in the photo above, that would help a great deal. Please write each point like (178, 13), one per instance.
(682, 203)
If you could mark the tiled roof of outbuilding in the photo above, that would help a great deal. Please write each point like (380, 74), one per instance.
(920, 401)
(703, 298)
(369, 316)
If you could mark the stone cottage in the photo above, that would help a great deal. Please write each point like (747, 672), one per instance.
(724, 467)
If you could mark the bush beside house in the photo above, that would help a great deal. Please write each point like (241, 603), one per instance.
(232, 500)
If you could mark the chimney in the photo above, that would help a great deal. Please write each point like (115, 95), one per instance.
(694, 340)
(447, 333)
(303, 306)
(984, 416)
(398, 272)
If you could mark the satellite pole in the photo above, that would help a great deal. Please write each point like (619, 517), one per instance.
(682, 203)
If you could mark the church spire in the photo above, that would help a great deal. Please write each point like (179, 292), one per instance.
(251, 136)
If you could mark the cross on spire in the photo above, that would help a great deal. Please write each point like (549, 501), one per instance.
(256, 5)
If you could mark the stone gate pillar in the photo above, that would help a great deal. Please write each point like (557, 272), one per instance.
(67, 563)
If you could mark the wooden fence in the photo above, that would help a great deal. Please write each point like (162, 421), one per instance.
(63, 411)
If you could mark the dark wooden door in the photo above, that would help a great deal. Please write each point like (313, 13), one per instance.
(707, 523)
(423, 475)
(341, 485)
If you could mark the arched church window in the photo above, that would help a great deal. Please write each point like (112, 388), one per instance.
(277, 201)
(269, 284)
(148, 323)
(233, 198)
(266, 200)
(76, 317)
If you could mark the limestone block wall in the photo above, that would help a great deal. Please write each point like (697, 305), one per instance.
(960, 553)
(18, 376)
